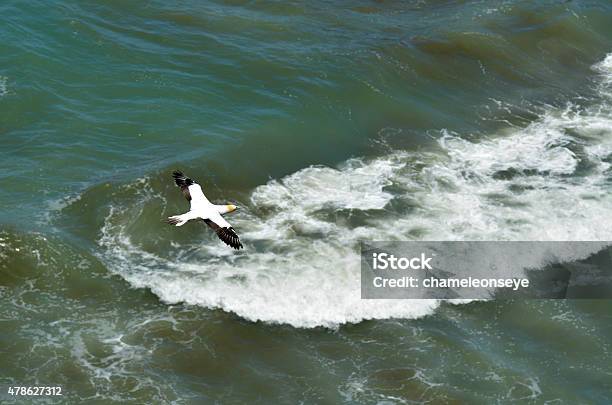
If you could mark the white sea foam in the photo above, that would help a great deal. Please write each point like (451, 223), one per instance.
(547, 181)
(605, 69)
(3, 86)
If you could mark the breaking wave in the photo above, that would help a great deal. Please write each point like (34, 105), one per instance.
(549, 180)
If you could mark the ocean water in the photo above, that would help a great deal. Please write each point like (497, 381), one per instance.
(328, 123)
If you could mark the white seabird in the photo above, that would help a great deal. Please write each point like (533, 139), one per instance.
(201, 208)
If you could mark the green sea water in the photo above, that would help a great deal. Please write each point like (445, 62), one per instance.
(328, 123)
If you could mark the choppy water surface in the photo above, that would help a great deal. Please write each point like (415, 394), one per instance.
(329, 124)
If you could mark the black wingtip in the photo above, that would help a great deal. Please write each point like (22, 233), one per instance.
(181, 180)
(229, 237)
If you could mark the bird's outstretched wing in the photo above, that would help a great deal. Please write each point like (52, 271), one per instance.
(224, 231)
(191, 190)
(183, 182)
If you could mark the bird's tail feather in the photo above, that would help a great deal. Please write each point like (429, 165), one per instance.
(176, 220)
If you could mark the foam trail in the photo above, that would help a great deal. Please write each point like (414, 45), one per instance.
(3, 86)
(547, 181)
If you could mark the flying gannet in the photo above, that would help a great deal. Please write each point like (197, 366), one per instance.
(201, 208)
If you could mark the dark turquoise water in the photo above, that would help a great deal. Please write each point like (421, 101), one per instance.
(328, 123)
